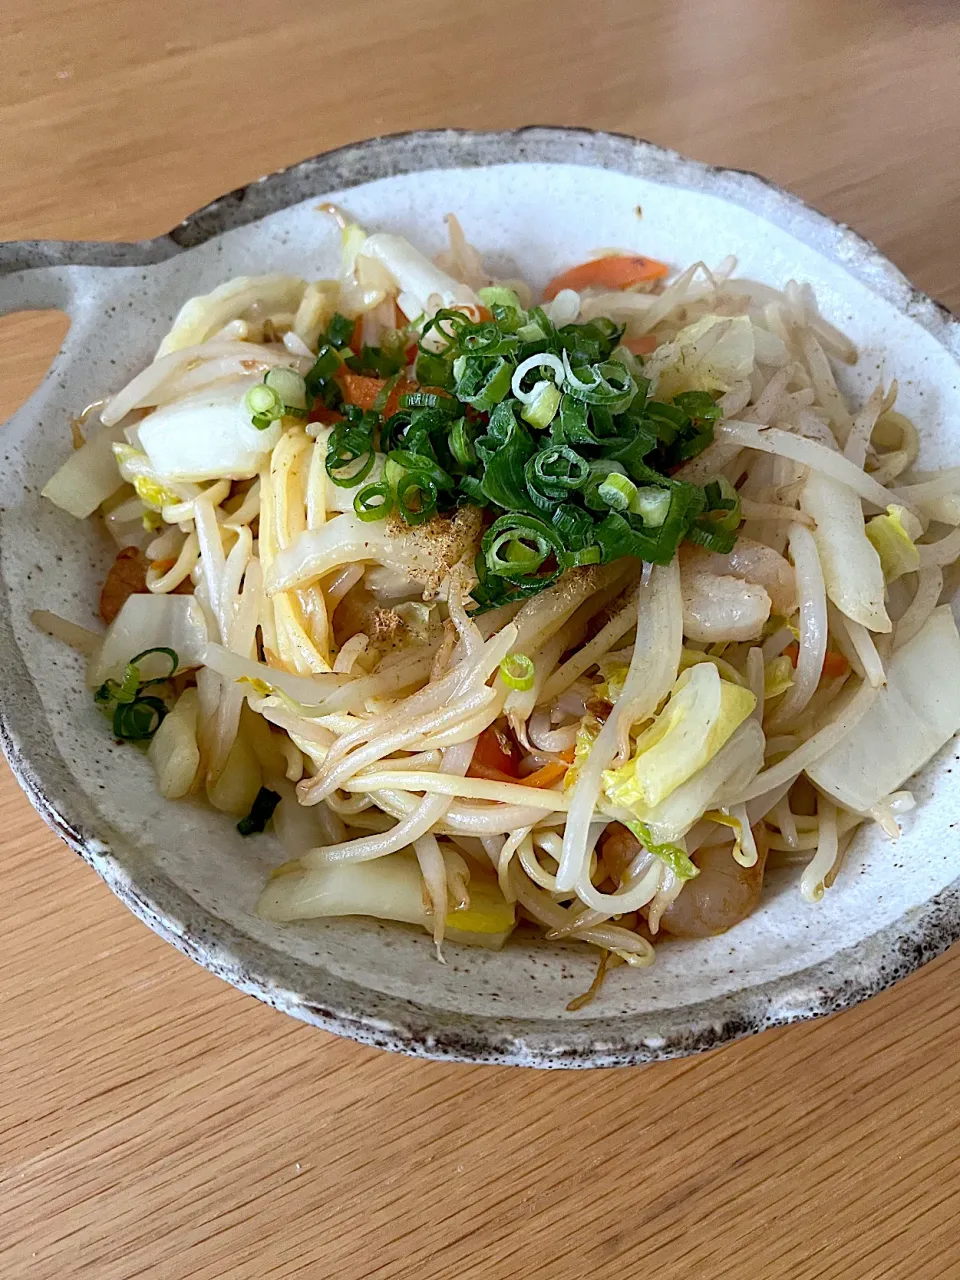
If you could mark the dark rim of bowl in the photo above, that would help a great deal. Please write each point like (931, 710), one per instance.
(345, 1007)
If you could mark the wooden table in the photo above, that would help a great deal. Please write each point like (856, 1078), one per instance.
(154, 1122)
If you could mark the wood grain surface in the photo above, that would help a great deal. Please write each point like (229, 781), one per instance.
(154, 1122)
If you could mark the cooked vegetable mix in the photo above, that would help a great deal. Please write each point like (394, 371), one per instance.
(500, 612)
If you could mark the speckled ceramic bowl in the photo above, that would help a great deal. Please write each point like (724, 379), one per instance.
(536, 199)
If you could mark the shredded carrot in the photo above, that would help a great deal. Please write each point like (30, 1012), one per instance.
(356, 338)
(320, 413)
(474, 311)
(361, 390)
(834, 664)
(618, 271)
(642, 345)
(545, 777)
(570, 754)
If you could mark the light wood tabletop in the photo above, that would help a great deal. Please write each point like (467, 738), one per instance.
(153, 1121)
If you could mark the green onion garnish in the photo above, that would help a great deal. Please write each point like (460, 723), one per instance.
(516, 671)
(651, 505)
(261, 811)
(325, 366)
(135, 716)
(339, 330)
(543, 408)
(290, 387)
(265, 406)
(283, 393)
(551, 429)
(374, 501)
(617, 491)
(498, 296)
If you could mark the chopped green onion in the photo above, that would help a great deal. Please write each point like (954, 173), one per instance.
(651, 505)
(516, 547)
(482, 382)
(530, 332)
(554, 473)
(517, 672)
(289, 386)
(446, 326)
(550, 428)
(588, 555)
(432, 370)
(617, 491)
(723, 504)
(350, 451)
(325, 366)
(430, 400)
(498, 296)
(136, 717)
(339, 330)
(261, 811)
(139, 719)
(374, 501)
(265, 406)
(171, 656)
(461, 444)
(383, 395)
(543, 408)
(416, 497)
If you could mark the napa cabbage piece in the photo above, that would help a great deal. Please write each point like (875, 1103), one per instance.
(718, 783)
(208, 436)
(173, 749)
(701, 714)
(424, 554)
(778, 676)
(423, 286)
(135, 467)
(852, 572)
(149, 622)
(712, 354)
(894, 538)
(201, 317)
(88, 477)
(614, 675)
(388, 888)
(914, 715)
(587, 731)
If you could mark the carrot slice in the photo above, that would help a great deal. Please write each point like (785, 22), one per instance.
(320, 413)
(618, 271)
(642, 345)
(834, 664)
(545, 777)
(361, 390)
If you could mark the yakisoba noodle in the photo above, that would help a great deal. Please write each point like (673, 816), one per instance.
(573, 614)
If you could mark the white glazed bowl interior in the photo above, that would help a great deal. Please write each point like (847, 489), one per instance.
(532, 203)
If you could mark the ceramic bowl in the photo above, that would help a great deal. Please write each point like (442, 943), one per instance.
(532, 201)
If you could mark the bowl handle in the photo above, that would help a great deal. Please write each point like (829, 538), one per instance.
(37, 274)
